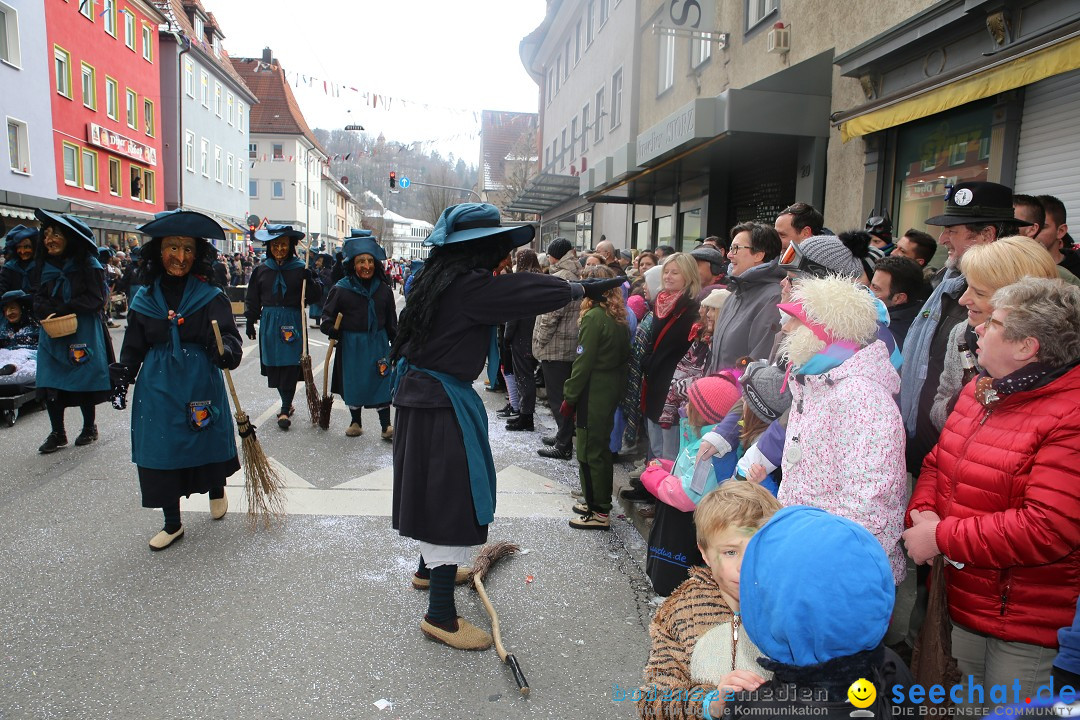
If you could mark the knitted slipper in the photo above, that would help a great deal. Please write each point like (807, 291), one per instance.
(467, 636)
(460, 578)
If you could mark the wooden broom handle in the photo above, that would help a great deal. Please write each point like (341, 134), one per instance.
(228, 375)
(329, 355)
(303, 320)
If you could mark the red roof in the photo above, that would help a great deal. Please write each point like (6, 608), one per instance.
(277, 112)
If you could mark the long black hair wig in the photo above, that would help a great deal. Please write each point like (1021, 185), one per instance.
(442, 267)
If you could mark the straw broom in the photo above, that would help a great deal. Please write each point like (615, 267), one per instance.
(305, 363)
(327, 398)
(264, 487)
(485, 559)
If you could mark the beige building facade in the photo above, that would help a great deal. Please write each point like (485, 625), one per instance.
(849, 106)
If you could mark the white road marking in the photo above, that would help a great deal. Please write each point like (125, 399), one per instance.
(521, 493)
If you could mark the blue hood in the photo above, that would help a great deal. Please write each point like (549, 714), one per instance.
(815, 587)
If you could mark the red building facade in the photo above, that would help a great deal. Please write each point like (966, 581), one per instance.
(106, 100)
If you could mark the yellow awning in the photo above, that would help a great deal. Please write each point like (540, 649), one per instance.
(1024, 70)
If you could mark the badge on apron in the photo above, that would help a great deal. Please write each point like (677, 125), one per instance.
(288, 333)
(199, 414)
(78, 354)
(383, 366)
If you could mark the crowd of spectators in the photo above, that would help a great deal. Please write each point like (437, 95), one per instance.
(903, 406)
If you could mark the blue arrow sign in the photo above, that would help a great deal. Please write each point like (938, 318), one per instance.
(404, 182)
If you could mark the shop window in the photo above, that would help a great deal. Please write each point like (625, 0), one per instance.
(941, 150)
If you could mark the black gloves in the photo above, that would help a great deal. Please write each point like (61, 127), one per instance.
(226, 361)
(332, 333)
(119, 378)
(595, 288)
(252, 335)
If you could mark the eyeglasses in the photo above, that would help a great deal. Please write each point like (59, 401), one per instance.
(992, 321)
(736, 248)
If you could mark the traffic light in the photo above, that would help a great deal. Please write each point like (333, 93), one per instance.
(393, 179)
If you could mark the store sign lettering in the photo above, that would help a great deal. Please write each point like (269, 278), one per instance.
(117, 143)
(664, 137)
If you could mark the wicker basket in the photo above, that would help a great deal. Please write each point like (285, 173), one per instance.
(58, 327)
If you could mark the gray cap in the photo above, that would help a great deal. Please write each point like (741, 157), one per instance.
(711, 255)
(830, 252)
(764, 390)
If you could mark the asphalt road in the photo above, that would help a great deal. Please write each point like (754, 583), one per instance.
(314, 619)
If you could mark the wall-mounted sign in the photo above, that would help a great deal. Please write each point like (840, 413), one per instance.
(105, 138)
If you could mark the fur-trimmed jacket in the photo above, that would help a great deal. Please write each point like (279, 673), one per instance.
(696, 641)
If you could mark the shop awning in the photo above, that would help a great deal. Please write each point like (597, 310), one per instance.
(16, 212)
(545, 192)
(1007, 74)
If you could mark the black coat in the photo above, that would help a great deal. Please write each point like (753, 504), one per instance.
(12, 279)
(143, 332)
(354, 318)
(260, 291)
(432, 498)
(926, 435)
(658, 367)
(900, 319)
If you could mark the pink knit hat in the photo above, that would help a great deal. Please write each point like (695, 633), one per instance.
(637, 305)
(714, 396)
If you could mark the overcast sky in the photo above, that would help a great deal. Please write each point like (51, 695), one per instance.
(456, 56)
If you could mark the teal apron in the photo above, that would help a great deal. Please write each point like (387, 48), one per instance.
(76, 363)
(180, 414)
(281, 336)
(364, 371)
(134, 291)
(472, 419)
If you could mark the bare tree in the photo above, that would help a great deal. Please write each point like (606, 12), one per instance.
(520, 167)
(435, 200)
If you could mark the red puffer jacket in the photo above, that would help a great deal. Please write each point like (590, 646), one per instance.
(1006, 484)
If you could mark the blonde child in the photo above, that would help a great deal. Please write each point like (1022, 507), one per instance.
(699, 649)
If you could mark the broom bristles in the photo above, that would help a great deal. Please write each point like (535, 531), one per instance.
(309, 387)
(489, 555)
(264, 488)
(324, 412)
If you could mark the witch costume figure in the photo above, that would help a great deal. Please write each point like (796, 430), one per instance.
(182, 436)
(73, 370)
(368, 326)
(444, 475)
(20, 249)
(273, 301)
(19, 333)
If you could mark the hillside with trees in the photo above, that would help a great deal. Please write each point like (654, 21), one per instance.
(367, 161)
